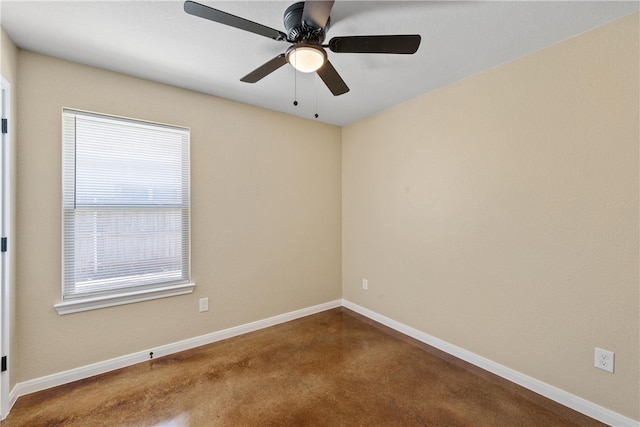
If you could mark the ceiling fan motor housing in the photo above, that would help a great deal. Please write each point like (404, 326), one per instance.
(299, 31)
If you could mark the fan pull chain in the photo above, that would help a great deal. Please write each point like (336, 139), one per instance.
(316, 81)
(295, 84)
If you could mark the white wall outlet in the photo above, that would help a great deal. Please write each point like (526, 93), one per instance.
(365, 284)
(204, 304)
(604, 359)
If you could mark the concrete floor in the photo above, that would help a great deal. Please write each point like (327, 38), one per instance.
(334, 368)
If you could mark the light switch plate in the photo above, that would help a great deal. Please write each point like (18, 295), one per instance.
(204, 304)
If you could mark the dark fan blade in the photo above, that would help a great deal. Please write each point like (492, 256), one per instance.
(407, 44)
(332, 79)
(215, 15)
(316, 12)
(265, 69)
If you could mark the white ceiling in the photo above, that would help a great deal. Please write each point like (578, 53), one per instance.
(157, 40)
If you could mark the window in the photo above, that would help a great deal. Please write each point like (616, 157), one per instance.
(125, 211)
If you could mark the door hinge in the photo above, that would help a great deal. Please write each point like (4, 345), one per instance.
(3, 244)
(5, 126)
(4, 364)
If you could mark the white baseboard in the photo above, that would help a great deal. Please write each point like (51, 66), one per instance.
(13, 396)
(564, 398)
(87, 371)
(567, 399)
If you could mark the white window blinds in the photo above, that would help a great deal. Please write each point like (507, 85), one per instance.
(126, 205)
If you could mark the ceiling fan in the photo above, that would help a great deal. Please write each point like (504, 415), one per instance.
(307, 23)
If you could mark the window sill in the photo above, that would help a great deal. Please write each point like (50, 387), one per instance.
(94, 303)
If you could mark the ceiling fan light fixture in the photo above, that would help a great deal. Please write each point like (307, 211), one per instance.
(306, 58)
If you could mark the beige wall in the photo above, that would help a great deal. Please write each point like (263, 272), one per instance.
(9, 71)
(500, 214)
(265, 216)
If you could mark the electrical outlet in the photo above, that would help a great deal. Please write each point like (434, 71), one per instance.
(204, 304)
(365, 284)
(604, 360)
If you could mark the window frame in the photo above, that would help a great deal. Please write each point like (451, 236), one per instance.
(97, 300)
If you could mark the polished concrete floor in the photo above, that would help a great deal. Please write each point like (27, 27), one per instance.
(334, 368)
